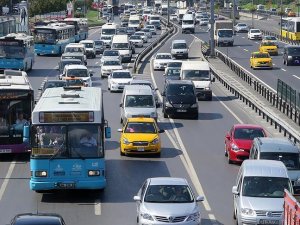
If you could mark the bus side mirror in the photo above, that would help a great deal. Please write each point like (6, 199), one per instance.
(26, 133)
(107, 132)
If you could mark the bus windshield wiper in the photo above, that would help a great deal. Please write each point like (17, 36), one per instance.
(80, 156)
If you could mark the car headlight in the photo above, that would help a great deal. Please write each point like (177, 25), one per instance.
(207, 88)
(41, 173)
(113, 82)
(168, 104)
(194, 217)
(92, 173)
(153, 114)
(195, 105)
(155, 141)
(290, 57)
(234, 147)
(146, 216)
(248, 212)
(125, 141)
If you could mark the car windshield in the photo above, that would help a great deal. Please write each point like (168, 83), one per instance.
(75, 82)
(77, 72)
(265, 187)
(173, 72)
(88, 45)
(146, 84)
(120, 46)
(74, 49)
(179, 46)
(267, 43)
(294, 51)
(109, 31)
(144, 101)
(248, 133)
(242, 25)
(169, 194)
(180, 89)
(270, 38)
(196, 74)
(140, 127)
(261, 55)
(175, 64)
(121, 75)
(111, 53)
(225, 33)
(135, 37)
(163, 57)
(290, 160)
(140, 33)
(73, 62)
(188, 22)
(105, 37)
(255, 31)
(98, 43)
(53, 84)
(134, 22)
(111, 63)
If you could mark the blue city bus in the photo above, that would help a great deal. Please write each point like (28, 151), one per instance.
(17, 52)
(53, 38)
(7, 25)
(67, 139)
(81, 27)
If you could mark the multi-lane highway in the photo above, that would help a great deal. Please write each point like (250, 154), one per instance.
(190, 149)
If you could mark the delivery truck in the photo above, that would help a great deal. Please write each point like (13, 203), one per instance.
(291, 208)
(223, 32)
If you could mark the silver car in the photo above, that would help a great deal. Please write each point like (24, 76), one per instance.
(169, 200)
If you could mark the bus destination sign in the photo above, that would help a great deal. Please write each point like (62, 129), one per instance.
(60, 117)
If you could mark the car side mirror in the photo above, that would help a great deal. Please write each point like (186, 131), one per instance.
(200, 199)
(121, 104)
(57, 68)
(120, 130)
(107, 132)
(137, 198)
(235, 190)
(227, 136)
(163, 94)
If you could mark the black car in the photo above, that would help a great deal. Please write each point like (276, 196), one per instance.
(291, 55)
(38, 219)
(179, 99)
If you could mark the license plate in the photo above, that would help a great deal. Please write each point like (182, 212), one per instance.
(66, 185)
(140, 149)
(181, 110)
(269, 221)
(5, 150)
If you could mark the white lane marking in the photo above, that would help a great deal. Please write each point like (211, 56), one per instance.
(256, 42)
(6, 179)
(296, 77)
(98, 207)
(243, 37)
(246, 50)
(283, 69)
(96, 62)
(239, 46)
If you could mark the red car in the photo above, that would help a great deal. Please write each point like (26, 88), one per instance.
(239, 139)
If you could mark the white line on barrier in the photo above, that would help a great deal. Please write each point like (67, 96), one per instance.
(283, 69)
(296, 77)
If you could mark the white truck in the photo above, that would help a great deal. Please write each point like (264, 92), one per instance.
(164, 10)
(199, 72)
(188, 24)
(181, 4)
(223, 32)
(180, 13)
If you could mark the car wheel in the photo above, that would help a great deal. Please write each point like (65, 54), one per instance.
(226, 153)
(165, 115)
(121, 120)
(228, 158)
(158, 154)
(121, 153)
(287, 63)
(234, 214)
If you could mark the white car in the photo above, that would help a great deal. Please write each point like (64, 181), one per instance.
(152, 29)
(80, 71)
(254, 34)
(203, 22)
(118, 79)
(110, 65)
(143, 35)
(161, 60)
(107, 41)
(167, 200)
(137, 40)
(110, 54)
(241, 27)
(89, 47)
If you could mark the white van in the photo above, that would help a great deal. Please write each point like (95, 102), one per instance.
(258, 194)
(76, 48)
(199, 72)
(137, 100)
(135, 22)
(188, 23)
(123, 45)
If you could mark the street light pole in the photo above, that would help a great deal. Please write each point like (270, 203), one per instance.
(212, 24)
(168, 13)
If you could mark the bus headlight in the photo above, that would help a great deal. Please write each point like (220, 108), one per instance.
(92, 173)
(41, 173)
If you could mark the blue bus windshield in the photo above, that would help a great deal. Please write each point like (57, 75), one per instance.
(45, 36)
(12, 52)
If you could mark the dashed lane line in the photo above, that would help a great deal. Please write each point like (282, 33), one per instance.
(296, 77)
(283, 69)
(6, 179)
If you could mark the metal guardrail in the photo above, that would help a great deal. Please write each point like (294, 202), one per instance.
(291, 111)
(153, 45)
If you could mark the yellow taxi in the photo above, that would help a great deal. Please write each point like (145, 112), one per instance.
(261, 60)
(268, 46)
(140, 136)
(73, 81)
